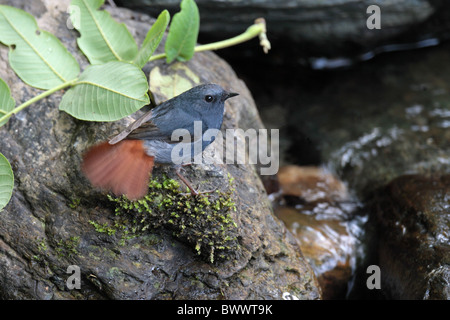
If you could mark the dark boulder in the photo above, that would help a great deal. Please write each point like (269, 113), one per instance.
(317, 28)
(413, 226)
(55, 219)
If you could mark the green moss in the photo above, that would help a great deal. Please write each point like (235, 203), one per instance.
(42, 246)
(296, 291)
(114, 272)
(75, 203)
(103, 228)
(42, 250)
(204, 221)
(67, 247)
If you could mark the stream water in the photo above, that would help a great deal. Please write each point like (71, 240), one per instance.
(364, 123)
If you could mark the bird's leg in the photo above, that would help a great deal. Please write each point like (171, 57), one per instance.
(186, 182)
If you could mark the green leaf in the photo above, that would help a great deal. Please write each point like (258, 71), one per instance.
(6, 181)
(107, 92)
(153, 38)
(102, 38)
(7, 102)
(183, 32)
(38, 57)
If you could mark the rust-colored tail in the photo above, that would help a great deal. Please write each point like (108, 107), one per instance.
(123, 168)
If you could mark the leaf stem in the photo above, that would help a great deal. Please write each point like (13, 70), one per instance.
(37, 98)
(257, 29)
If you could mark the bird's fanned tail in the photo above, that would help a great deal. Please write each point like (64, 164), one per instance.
(123, 168)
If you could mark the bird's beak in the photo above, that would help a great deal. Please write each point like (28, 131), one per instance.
(229, 95)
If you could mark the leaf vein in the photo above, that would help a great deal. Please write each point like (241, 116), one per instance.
(101, 31)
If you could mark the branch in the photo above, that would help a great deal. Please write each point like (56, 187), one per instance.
(257, 29)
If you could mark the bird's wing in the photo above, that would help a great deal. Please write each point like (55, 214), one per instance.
(143, 120)
(158, 124)
(163, 124)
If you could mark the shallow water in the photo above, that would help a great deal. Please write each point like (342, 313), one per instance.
(366, 124)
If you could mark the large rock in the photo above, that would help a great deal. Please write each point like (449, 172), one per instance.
(55, 219)
(413, 222)
(315, 27)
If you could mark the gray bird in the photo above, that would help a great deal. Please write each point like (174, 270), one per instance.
(124, 164)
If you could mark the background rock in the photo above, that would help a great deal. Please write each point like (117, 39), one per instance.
(413, 222)
(47, 225)
(316, 28)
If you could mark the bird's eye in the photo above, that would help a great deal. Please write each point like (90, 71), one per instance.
(209, 98)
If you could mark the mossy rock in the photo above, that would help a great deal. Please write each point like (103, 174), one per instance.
(55, 218)
(204, 221)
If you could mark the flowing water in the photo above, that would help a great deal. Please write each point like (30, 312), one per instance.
(365, 122)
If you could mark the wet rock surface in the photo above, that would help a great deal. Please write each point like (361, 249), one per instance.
(318, 209)
(55, 219)
(413, 222)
